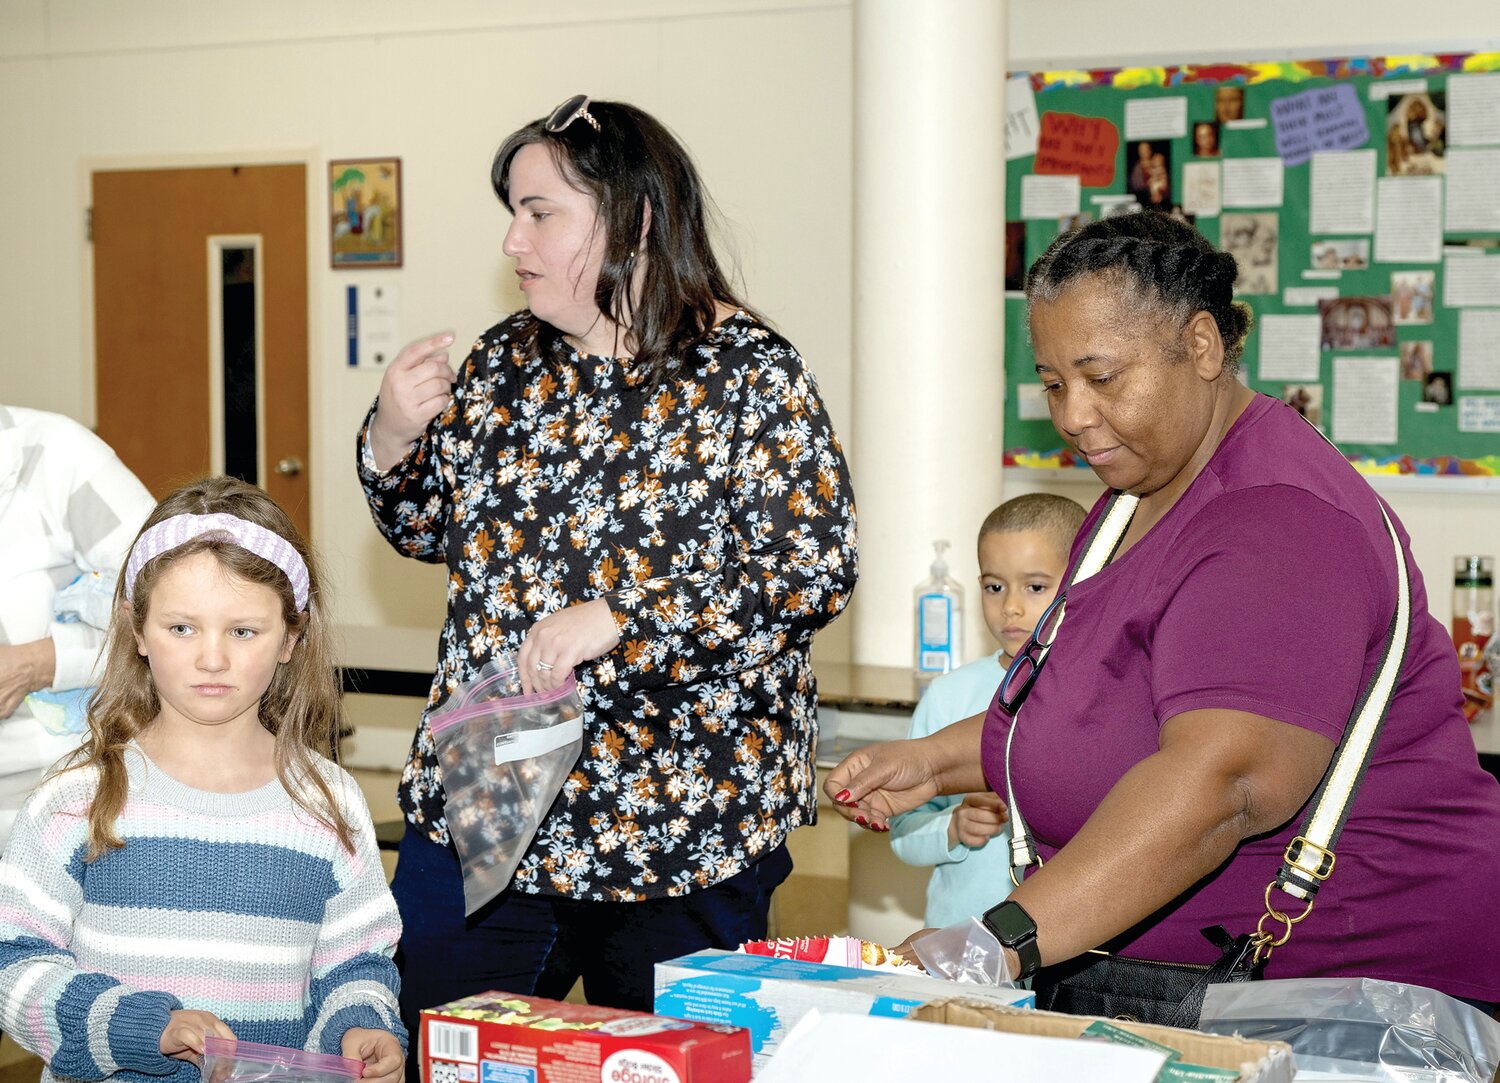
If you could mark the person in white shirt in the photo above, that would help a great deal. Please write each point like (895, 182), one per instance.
(69, 509)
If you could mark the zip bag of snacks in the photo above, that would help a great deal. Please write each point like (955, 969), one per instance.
(505, 756)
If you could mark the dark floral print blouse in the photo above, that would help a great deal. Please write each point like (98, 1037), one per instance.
(713, 512)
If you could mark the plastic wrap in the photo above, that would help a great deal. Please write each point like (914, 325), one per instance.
(226, 1060)
(966, 952)
(505, 757)
(1361, 1028)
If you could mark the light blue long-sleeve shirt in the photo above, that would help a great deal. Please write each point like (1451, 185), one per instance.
(966, 881)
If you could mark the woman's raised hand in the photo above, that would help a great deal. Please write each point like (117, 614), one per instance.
(873, 784)
(415, 388)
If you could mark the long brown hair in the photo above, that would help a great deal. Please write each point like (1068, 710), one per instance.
(302, 707)
(632, 160)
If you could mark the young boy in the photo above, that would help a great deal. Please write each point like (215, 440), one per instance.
(1023, 554)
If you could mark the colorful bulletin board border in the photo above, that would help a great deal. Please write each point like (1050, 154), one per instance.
(1045, 451)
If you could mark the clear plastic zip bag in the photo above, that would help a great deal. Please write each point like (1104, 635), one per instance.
(226, 1060)
(505, 756)
(1360, 1028)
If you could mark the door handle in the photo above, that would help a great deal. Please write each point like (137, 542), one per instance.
(289, 467)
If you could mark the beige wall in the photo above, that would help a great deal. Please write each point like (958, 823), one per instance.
(759, 89)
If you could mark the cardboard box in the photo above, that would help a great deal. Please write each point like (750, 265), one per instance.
(506, 1038)
(1256, 1062)
(768, 995)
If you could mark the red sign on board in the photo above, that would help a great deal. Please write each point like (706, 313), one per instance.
(1086, 146)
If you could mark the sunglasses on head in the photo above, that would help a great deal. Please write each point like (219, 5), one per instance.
(573, 109)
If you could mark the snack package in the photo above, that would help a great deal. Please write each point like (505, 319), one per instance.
(226, 1060)
(838, 950)
(506, 1038)
(505, 757)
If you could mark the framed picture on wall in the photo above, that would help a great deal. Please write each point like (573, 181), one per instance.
(364, 212)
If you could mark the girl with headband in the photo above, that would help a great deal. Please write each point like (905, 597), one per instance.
(198, 866)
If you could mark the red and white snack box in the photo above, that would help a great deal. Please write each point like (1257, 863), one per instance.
(835, 950)
(508, 1038)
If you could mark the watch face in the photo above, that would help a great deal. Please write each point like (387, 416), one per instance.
(1009, 922)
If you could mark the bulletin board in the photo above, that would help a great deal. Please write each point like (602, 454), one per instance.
(1361, 198)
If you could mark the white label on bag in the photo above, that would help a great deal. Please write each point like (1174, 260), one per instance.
(510, 747)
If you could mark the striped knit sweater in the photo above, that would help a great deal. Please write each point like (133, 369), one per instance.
(237, 904)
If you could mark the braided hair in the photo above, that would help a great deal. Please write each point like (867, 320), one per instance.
(1166, 260)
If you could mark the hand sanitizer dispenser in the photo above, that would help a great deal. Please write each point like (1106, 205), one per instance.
(939, 613)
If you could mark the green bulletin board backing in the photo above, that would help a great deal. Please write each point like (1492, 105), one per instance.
(1428, 437)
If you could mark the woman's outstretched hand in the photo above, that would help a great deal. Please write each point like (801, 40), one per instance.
(873, 784)
(415, 388)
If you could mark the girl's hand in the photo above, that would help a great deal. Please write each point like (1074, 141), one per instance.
(978, 819)
(384, 1062)
(567, 638)
(415, 388)
(875, 783)
(186, 1028)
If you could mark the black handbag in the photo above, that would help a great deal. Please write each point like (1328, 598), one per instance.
(1169, 993)
(1141, 990)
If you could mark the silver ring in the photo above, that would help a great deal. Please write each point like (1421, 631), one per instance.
(544, 667)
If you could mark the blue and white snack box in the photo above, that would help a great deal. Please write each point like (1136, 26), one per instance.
(768, 996)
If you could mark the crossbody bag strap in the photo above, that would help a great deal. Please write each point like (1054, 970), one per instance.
(1309, 857)
(1100, 548)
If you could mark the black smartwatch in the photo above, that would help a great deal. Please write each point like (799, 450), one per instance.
(1013, 927)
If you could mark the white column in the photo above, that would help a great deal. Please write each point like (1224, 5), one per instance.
(929, 261)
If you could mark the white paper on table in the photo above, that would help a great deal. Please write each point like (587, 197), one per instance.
(1380, 91)
(1473, 109)
(1253, 182)
(1049, 197)
(1364, 399)
(1155, 118)
(1031, 403)
(1022, 128)
(1290, 347)
(1200, 188)
(1409, 221)
(1479, 349)
(1473, 200)
(832, 1046)
(1342, 192)
(1470, 279)
(1293, 296)
(1479, 413)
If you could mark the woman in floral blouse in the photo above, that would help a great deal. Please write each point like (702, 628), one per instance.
(635, 480)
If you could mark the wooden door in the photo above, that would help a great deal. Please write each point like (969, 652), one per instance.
(151, 232)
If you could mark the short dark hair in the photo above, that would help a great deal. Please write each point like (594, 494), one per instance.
(630, 161)
(1168, 261)
(1056, 516)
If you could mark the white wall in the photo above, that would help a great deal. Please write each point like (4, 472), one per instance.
(759, 89)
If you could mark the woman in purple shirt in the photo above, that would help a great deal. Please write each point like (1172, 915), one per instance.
(1195, 693)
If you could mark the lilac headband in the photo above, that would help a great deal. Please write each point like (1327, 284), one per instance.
(177, 531)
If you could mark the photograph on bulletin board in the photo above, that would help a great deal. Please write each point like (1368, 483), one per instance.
(365, 212)
(1358, 198)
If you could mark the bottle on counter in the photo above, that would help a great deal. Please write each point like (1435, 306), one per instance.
(939, 615)
(1473, 625)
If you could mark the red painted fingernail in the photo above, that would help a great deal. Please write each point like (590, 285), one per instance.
(862, 821)
(842, 797)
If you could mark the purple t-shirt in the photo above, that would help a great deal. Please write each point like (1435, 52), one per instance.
(1269, 588)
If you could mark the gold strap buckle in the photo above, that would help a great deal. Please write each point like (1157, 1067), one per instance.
(1265, 940)
(1326, 857)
